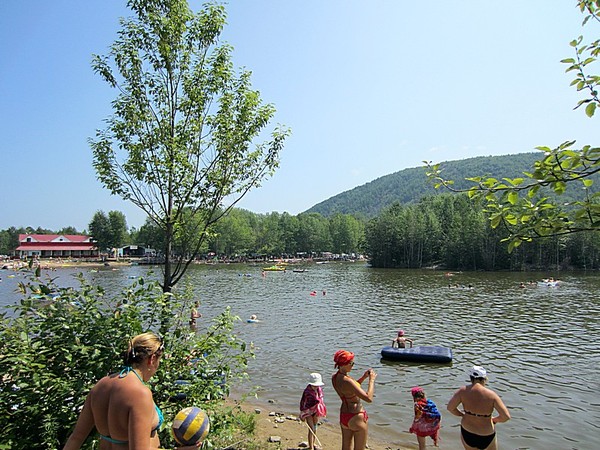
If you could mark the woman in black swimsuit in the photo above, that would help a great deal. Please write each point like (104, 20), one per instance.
(477, 427)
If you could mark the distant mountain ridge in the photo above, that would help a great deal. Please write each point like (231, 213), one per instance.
(410, 185)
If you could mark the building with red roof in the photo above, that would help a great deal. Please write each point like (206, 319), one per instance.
(56, 246)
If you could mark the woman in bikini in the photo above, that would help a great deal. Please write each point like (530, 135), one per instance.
(194, 314)
(120, 406)
(477, 427)
(353, 417)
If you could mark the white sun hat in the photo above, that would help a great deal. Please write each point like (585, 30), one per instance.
(315, 379)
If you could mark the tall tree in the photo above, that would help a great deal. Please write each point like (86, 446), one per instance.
(68, 230)
(289, 226)
(346, 232)
(149, 235)
(270, 239)
(6, 246)
(313, 233)
(181, 138)
(520, 204)
(99, 229)
(233, 234)
(383, 237)
(109, 231)
(9, 240)
(118, 228)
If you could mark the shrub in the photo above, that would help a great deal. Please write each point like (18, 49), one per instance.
(56, 343)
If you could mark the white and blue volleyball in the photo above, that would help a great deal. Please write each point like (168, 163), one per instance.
(190, 426)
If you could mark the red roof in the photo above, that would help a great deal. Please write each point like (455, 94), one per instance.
(51, 237)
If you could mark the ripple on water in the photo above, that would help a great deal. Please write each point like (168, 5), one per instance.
(539, 344)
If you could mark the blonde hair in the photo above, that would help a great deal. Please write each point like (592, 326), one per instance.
(141, 347)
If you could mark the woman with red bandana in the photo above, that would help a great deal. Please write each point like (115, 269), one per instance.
(353, 417)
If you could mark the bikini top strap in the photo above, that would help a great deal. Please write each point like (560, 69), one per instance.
(161, 418)
(342, 397)
(159, 413)
(126, 371)
(334, 383)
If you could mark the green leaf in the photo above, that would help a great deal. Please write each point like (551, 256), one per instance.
(495, 220)
(513, 197)
(590, 109)
(513, 244)
(534, 190)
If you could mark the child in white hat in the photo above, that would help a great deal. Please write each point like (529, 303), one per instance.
(312, 407)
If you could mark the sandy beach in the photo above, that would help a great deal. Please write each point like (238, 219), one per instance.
(289, 433)
(56, 263)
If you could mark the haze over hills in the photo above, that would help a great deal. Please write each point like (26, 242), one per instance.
(410, 185)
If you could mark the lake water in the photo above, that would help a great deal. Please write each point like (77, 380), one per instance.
(539, 344)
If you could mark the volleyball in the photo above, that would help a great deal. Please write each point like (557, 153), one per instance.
(190, 426)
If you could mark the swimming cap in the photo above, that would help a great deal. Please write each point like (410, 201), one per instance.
(414, 391)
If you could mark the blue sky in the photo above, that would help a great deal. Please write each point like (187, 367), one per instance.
(367, 87)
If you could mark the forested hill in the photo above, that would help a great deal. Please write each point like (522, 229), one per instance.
(410, 185)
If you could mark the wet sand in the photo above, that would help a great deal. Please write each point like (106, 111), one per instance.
(293, 433)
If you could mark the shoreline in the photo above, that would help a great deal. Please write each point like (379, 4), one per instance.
(62, 263)
(273, 422)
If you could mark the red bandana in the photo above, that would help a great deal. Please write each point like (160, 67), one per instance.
(342, 357)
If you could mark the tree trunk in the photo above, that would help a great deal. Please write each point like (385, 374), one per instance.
(168, 248)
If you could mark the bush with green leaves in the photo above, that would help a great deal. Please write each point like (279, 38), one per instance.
(57, 342)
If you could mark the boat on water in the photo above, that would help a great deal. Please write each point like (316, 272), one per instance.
(274, 269)
(423, 353)
(299, 270)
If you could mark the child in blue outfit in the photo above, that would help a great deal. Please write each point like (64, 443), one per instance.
(427, 419)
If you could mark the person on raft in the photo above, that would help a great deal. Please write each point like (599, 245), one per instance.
(401, 340)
